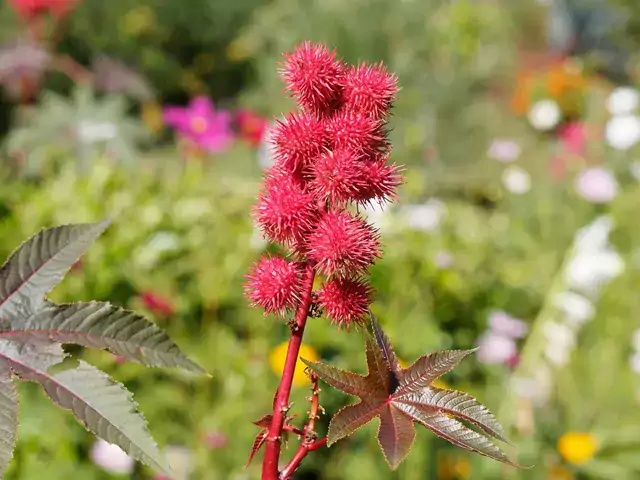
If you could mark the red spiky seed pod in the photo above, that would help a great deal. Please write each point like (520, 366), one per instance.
(345, 301)
(343, 244)
(378, 181)
(336, 176)
(369, 89)
(273, 283)
(285, 212)
(297, 140)
(313, 75)
(359, 133)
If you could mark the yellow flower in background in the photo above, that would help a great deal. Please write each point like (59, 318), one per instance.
(278, 355)
(453, 466)
(577, 447)
(138, 21)
(559, 473)
(151, 115)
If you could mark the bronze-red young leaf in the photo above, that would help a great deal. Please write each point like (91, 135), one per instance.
(401, 397)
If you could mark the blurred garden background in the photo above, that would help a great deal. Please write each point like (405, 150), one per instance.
(515, 231)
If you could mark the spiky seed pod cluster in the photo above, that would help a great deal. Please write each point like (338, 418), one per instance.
(331, 154)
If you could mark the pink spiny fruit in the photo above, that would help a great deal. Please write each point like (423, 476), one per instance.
(358, 132)
(298, 140)
(329, 155)
(345, 301)
(336, 176)
(313, 75)
(343, 243)
(369, 89)
(379, 181)
(274, 284)
(285, 212)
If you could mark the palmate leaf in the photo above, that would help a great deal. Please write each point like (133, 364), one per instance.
(102, 325)
(401, 397)
(32, 329)
(8, 416)
(39, 264)
(102, 405)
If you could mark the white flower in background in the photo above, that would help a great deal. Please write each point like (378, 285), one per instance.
(504, 150)
(265, 150)
(560, 341)
(426, 217)
(595, 236)
(623, 100)
(495, 349)
(501, 323)
(516, 180)
(588, 271)
(544, 115)
(443, 260)
(93, 132)
(535, 387)
(623, 132)
(111, 458)
(576, 308)
(180, 460)
(596, 185)
(634, 363)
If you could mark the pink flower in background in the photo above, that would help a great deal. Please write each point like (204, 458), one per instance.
(158, 304)
(596, 185)
(573, 137)
(496, 349)
(202, 124)
(504, 324)
(251, 126)
(215, 440)
(32, 8)
(504, 150)
(111, 458)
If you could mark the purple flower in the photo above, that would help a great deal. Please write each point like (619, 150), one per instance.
(504, 150)
(596, 185)
(496, 349)
(199, 122)
(503, 324)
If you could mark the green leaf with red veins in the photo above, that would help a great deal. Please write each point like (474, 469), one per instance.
(401, 397)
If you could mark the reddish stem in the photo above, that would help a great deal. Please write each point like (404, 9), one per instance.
(309, 442)
(281, 405)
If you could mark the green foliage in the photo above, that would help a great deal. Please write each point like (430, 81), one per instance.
(77, 125)
(30, 326)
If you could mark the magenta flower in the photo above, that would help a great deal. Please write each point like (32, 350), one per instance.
(573, 137)
(200, 123)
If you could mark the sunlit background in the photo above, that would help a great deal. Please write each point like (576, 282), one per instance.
(517, 230)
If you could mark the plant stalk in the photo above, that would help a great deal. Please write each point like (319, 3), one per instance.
(309, 439)
(281, 404)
